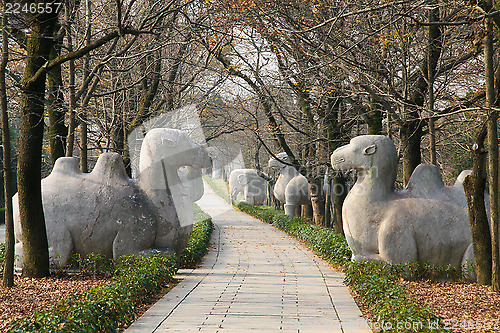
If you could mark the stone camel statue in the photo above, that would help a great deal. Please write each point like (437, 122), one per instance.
(291, 188)
(102, 212)
(426, 222)
(248, 183)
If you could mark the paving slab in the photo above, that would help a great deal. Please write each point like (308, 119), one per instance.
(254, 278)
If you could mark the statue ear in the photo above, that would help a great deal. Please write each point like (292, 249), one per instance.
(370, 150)
(168, 142)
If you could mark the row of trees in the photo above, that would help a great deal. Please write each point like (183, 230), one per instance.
(294, 76)
(418, 67)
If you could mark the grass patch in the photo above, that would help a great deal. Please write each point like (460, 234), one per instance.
(219, 186)
(375, 283)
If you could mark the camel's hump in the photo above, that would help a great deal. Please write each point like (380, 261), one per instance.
(424, 180)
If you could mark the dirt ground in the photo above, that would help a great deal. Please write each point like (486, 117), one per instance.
(464, 307)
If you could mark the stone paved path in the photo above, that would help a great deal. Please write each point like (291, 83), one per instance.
(254, 278)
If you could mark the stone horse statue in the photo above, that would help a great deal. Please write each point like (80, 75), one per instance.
(426, 222)
(291, 188)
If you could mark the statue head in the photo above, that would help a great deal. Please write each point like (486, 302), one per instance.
(174, 148)
(276, 163)
(366, 152)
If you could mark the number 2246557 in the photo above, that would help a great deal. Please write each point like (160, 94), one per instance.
(33, 8)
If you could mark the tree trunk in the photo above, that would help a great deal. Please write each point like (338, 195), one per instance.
(474, 187)
(434, 42)
(410, 134)
(56, 110)
(317, 200)
(83, 143)
(35, 245)
(374, 118)
(493, 153)
(70, 140)
(411, 131)
(8, 270)
(328, 203)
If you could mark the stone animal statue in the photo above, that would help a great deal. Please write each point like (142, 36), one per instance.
(291, 188)
(102, 212)
(249, 184)
(163, 152)
(426, 222)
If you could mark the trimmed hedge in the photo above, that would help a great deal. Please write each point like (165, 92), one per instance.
(375, 283)
(197, 245)
(110, 307)
(106, 308)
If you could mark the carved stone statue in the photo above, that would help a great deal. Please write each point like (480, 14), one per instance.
(163, 152)
(249, 184)
(291, 188)
(102, 212)
(426, 222)
(105, 212)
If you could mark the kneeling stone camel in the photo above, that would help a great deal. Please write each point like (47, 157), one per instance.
(102, 212)
(426, 222)
(291, 188)
(106, 213)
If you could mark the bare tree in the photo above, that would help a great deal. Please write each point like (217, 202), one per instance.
(8, 270)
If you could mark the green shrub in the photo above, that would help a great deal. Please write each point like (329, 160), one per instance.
(375, 283)
(197, 245)
(106, 308)
(110, 307)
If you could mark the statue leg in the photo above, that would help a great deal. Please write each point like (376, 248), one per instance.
(60, 246)
(18, 258)
(397, 243)
(290, 210)
(468, 264)
(234, 194)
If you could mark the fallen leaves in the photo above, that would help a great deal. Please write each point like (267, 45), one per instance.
(29, 295)
(465, 307)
